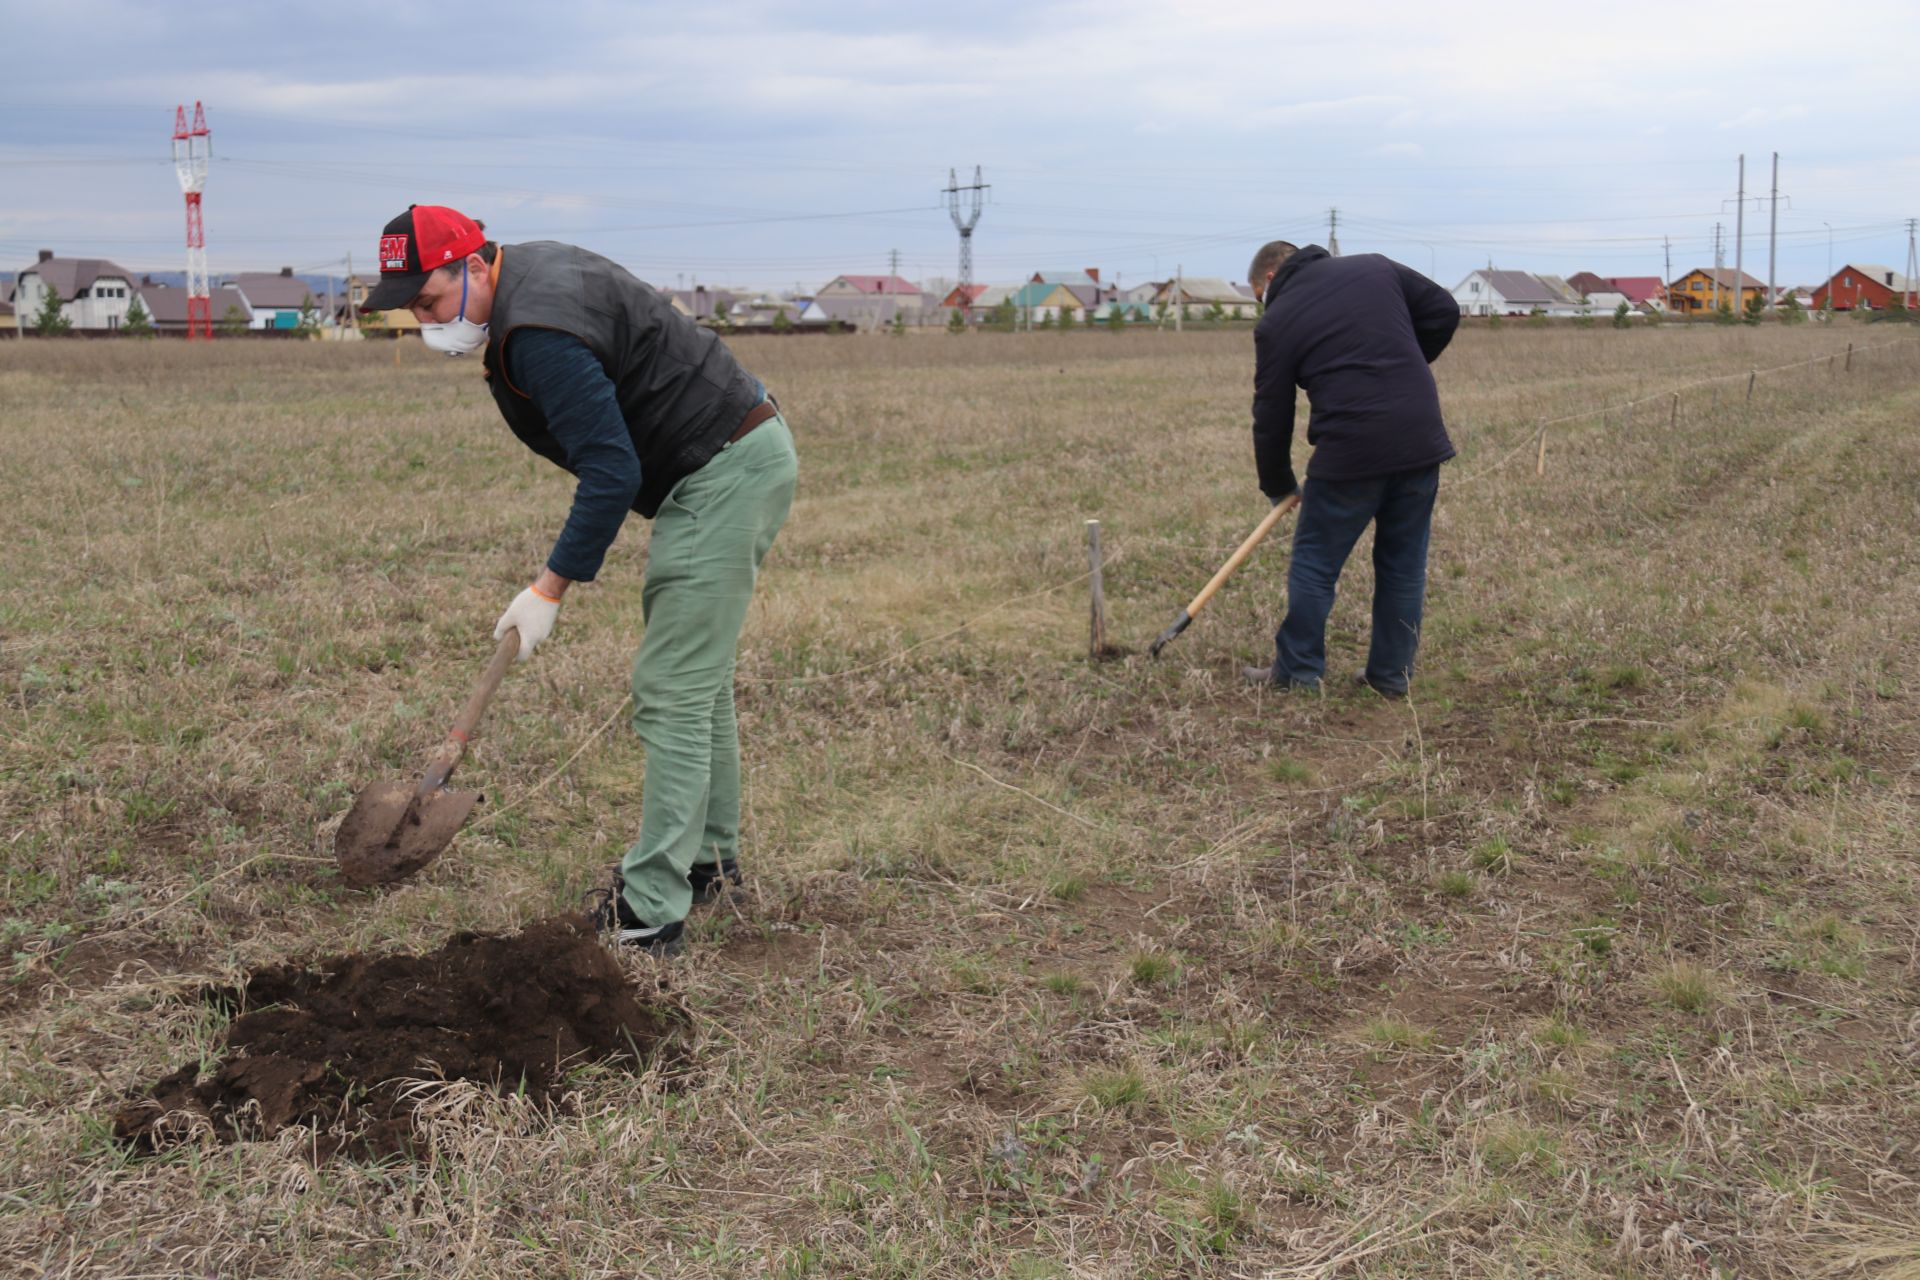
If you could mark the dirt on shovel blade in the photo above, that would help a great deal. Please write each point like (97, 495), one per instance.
(334, 1045)
(389, 833)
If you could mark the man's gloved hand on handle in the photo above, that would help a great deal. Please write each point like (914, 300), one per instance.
(1288, 487)
(533, 612)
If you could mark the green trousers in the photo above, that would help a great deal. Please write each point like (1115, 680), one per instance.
(709, 539)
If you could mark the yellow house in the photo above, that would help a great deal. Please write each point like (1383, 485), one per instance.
(1696, 291)
(1044, 301)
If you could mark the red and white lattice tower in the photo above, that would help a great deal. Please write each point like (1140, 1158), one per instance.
(191, 149)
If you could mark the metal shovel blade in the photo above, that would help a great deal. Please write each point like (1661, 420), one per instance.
(391, 832)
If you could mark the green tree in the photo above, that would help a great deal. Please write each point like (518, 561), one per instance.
(1066, 319)
(1623, 315)
(1005, 316)
(1723, 314)
(1756, 309)
(309, 325)
(51, 321)
(899, 326)
(1537, 317)
(1216, 314)
(1045, 321)
(782, 322)
(1162, 314)
(956, 321)
(139, 320)
(1897, 310)
(234, 322)
(1791, 312)
(1494, 320)
(1116, 318)
(1186, 314)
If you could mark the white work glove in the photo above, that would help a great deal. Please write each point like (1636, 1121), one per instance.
(533, 614)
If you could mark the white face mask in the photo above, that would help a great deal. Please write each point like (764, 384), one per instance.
(459, 337)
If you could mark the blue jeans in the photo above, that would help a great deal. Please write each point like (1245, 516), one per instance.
(1333, 514)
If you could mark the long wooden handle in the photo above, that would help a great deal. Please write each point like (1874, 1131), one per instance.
(441, 764)
(1234, 561)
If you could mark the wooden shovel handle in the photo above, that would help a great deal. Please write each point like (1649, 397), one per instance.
(1234, 561)
(441, 764)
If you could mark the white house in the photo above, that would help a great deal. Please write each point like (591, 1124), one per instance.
(96, 292)
(878, 299)
(1487, 292)
(1605, 303)
(1202, 293)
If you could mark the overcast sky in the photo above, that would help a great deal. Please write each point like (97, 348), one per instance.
(779, 144)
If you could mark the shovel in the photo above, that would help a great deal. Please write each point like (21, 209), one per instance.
(1234, 561)
(396, 828)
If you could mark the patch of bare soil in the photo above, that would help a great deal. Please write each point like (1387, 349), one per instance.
(333, 1045)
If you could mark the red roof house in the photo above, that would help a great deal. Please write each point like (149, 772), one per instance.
(1863, 286)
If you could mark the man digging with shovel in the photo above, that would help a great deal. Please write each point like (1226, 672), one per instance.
(595, 371)
(1358, 334)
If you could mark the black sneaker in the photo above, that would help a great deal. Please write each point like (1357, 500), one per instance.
(710, 879)
(1360, 681)
(612, 915)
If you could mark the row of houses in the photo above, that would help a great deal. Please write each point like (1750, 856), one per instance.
(97, 294)
(1081, 294)
(872, 302)
(1854, 287)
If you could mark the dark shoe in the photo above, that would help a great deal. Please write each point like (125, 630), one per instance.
(1265, 676)
(710, 879)
(612, 915)
(1392, 695)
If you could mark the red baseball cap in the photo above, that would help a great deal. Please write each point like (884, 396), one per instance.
(413, 245)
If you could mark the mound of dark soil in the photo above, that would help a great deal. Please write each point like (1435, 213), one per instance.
(333, 1045)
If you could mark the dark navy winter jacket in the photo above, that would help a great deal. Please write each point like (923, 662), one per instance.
(1358, 334)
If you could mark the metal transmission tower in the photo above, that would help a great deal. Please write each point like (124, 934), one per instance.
(965, 222)
(1333, 232)
(192, 147)
(1913, 269)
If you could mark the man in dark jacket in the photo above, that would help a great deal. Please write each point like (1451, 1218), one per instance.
(1357, 333)
(597, 372)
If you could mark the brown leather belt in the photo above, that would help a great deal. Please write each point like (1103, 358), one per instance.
(755, 416)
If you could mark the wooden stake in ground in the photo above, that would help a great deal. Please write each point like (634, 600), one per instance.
(1540, 461)
(1849, 357)
(1673, 414)
(1750, 377)
(1097, 618)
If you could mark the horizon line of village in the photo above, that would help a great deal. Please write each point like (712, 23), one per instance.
(98, 297)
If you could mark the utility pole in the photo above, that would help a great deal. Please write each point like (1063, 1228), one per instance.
(965, 222)
(1666, 281)
(1913, 269)
(1179, 297)
(1719, 260)
(1333, 232)
(893, 262)
(1773, 229)
(1740, 240)
(353, 318)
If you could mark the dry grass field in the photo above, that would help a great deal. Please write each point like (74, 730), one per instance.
(1599, 956)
